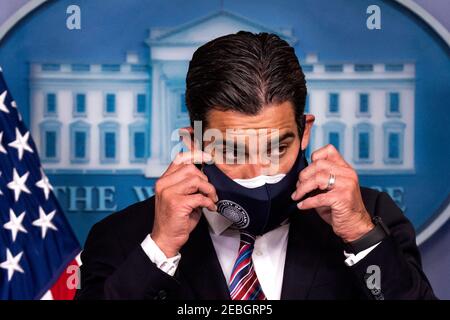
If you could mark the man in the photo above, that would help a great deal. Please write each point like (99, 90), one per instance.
(341, 241)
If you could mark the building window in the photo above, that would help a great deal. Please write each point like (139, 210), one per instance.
(50, 104)
(333, 104)
(80, 144)
(109, 142)
(393, 145)
(363, 107)
(80, 105)
(307, 68)
(81, 67)
(363, 67)
(111, 67)
(363, 143)
(334, 67)
(79, 137)
(183, 103)
(334, 139)
(110, 145)
(139, 144)
(139, 68)
(50, 132)
(50, 144)
(393, 142)
(110, 104)
(141, 103)
(334, 134)
(393, 107)
(393, 67)
(51, 67)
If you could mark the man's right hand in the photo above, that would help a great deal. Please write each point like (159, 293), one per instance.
(180, 193)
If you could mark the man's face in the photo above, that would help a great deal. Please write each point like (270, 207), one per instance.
(273, 131)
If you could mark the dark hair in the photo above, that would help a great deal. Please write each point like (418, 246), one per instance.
(243, 72)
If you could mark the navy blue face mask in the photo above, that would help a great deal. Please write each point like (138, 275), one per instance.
(259, 209)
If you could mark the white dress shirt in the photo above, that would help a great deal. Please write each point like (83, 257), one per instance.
(151, 249)
(269, 254)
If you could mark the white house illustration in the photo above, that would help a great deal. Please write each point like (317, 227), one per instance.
(118, 118)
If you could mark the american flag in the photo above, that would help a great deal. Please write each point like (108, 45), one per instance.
(37, 245)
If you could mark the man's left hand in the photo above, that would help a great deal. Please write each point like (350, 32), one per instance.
(340, 203)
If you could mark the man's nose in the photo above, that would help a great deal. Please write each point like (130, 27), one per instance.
(251, 171)
(254, 170)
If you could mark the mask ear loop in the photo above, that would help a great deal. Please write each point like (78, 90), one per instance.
(198, 165)
(303, 126)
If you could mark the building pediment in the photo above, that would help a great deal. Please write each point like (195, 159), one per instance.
(197, 32)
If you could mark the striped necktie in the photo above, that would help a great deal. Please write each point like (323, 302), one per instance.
(244, 284)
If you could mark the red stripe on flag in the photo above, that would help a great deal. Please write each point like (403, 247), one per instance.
(66, 285)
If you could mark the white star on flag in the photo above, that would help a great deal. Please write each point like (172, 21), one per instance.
(12, 264)
(18, 184)
(2, 102)
(45, 221)
(44, 184)
(15, 224)
(2, 149)
(21, 143)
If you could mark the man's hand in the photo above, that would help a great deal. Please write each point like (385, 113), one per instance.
(179, 194)
(340, 205)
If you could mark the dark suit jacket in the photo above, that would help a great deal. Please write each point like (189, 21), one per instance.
(116, 267)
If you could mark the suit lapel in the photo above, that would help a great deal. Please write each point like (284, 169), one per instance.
(302, 256)
(200, 267)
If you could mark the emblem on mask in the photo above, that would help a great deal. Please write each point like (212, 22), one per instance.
(234, 212)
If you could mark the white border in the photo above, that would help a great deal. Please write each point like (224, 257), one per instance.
(434, 226)
(427, 18)
(19, 15)
(429, 230)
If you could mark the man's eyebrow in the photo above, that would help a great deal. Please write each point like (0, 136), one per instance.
(238, 146)
(284, 136)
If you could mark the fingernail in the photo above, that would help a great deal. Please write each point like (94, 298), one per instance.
(216, 198)
(300, 204)
(215, 208)
(293, 195)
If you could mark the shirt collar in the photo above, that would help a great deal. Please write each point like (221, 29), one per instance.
(216, 221)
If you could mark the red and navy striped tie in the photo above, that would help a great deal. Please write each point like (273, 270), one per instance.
(244, 284)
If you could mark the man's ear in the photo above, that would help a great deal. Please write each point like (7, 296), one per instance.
(309, 121)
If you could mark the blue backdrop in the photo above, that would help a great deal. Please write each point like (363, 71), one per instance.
(334, 30)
